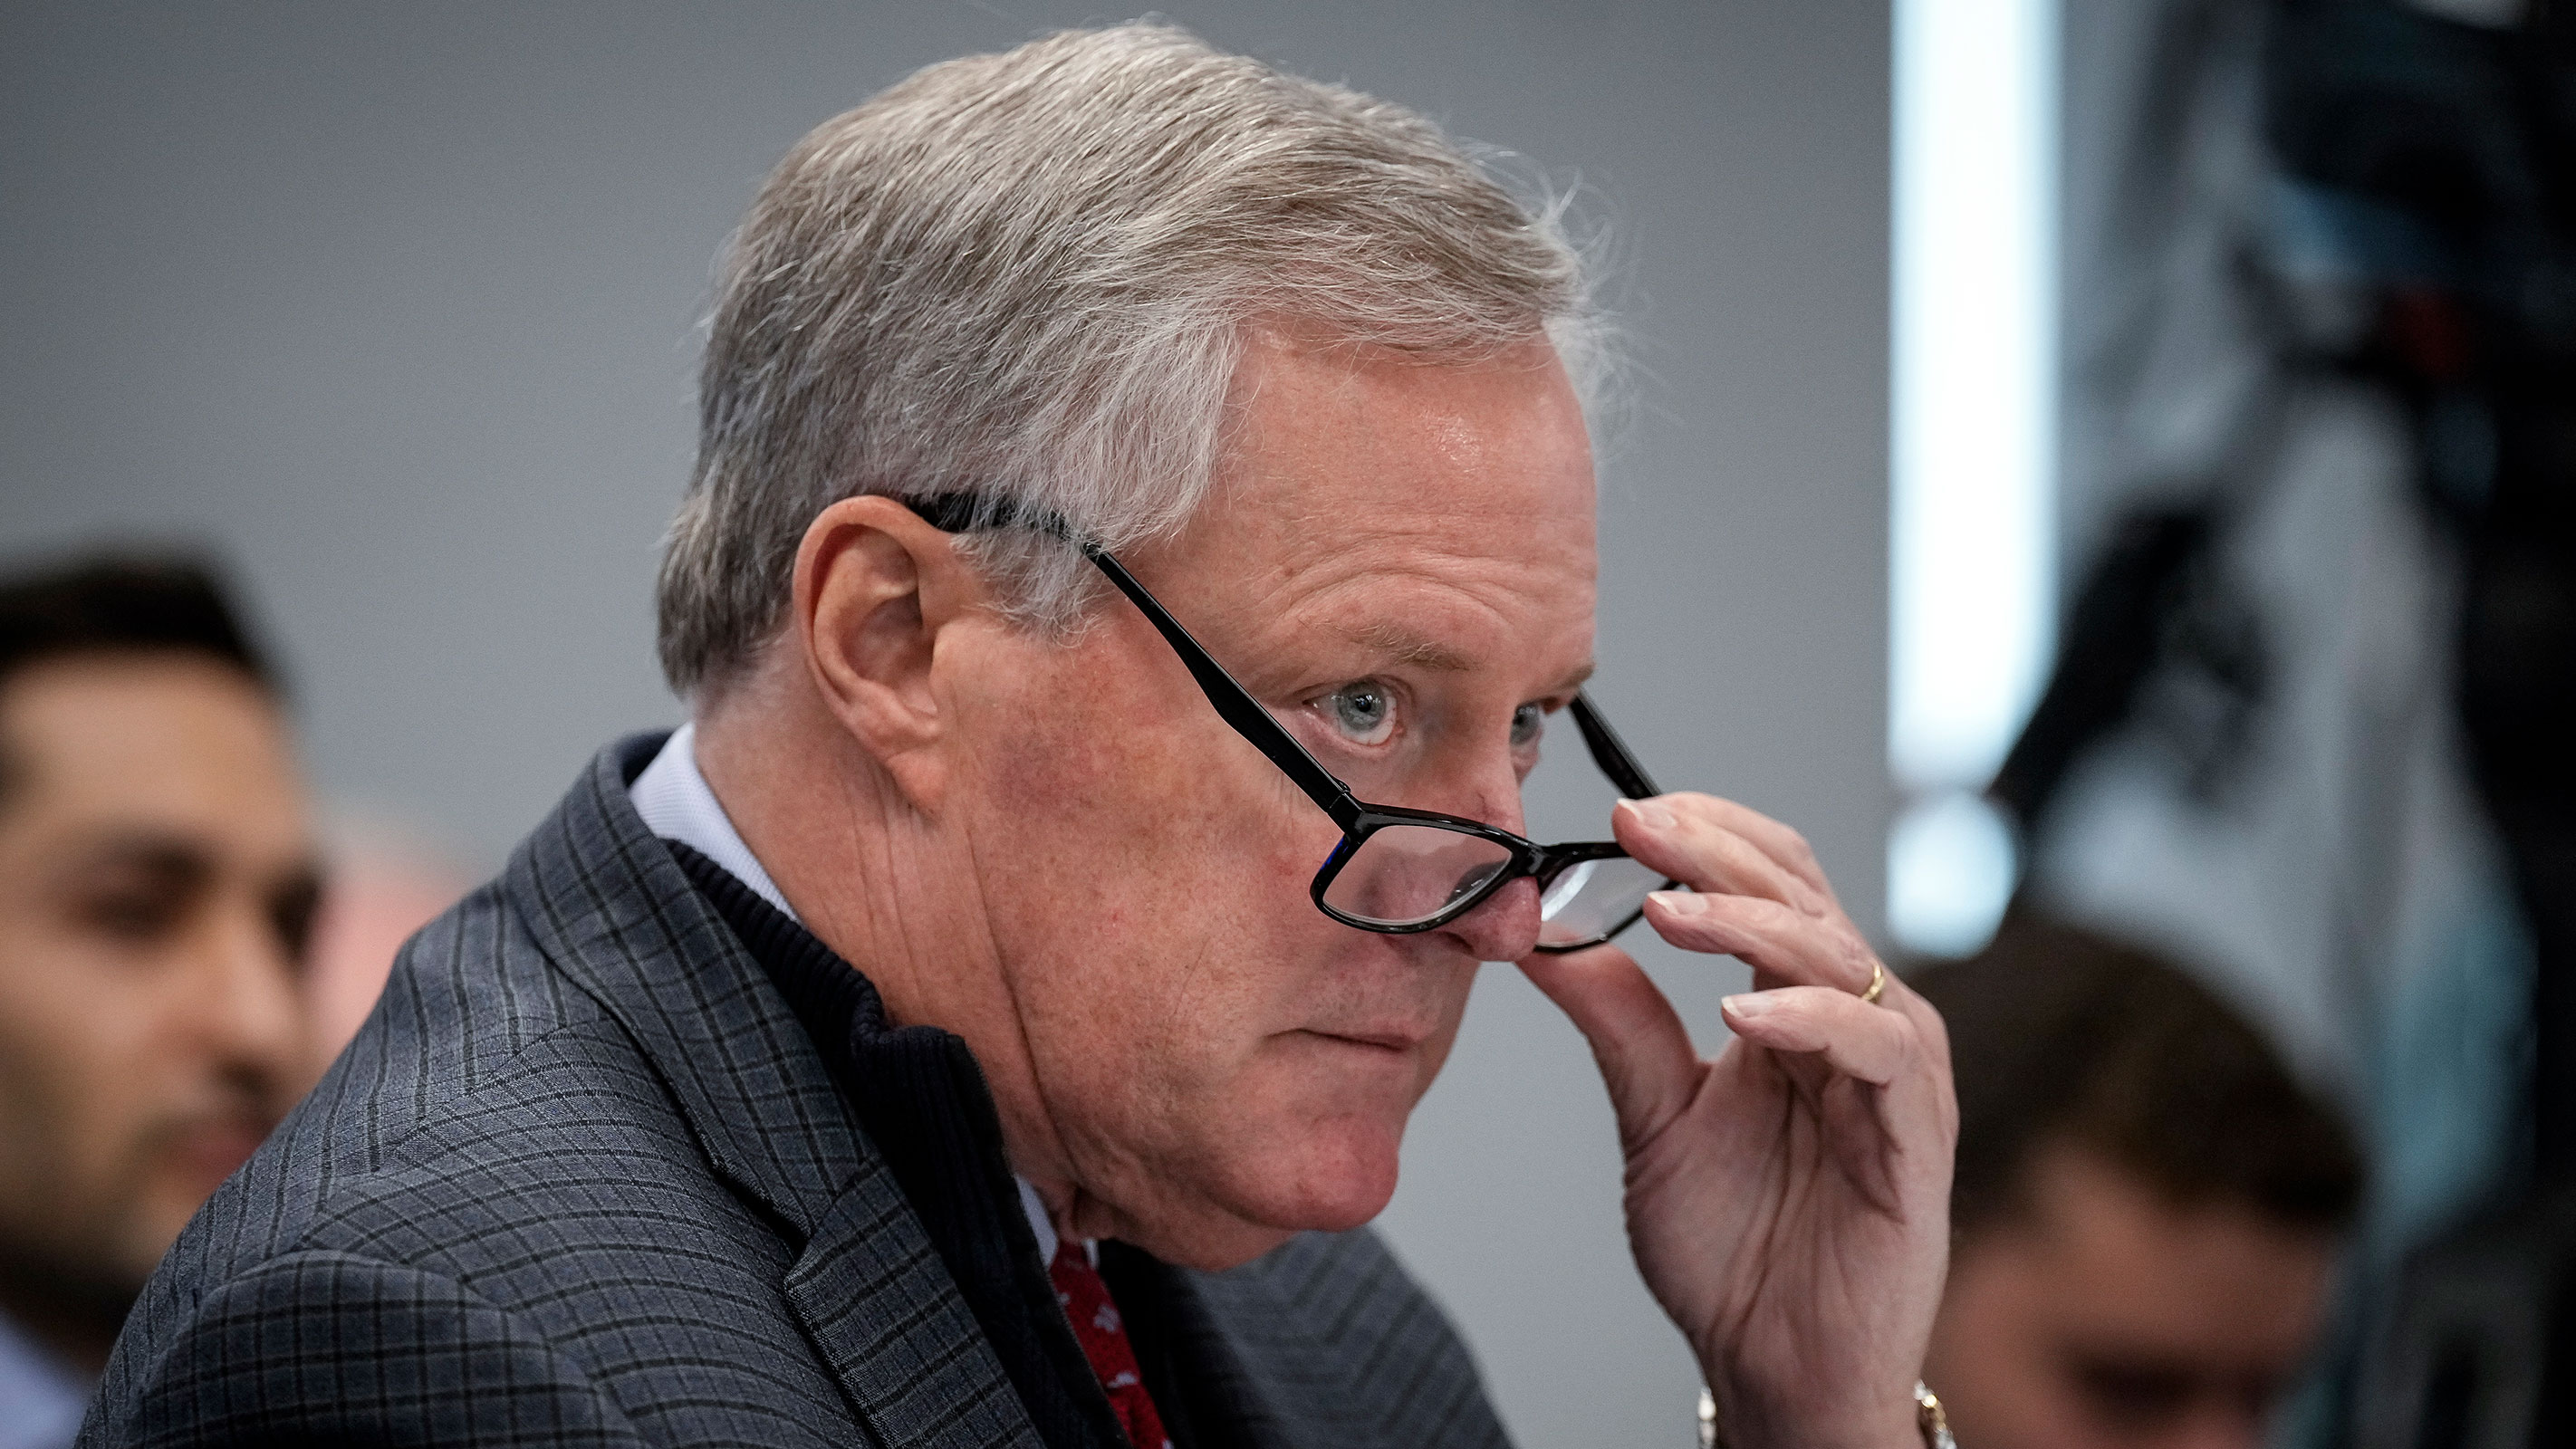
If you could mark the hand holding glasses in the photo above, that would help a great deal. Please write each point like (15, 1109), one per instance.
(1396, 870)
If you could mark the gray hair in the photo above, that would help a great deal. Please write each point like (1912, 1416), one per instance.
(1030, 276)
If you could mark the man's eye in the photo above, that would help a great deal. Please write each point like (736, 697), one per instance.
(1362, 711)
(135, 917)
(291, 909)
(1528, 723)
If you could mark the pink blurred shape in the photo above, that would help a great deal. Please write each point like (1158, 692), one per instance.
(384, 883)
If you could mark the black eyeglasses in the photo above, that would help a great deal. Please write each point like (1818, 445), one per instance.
(1396, 870)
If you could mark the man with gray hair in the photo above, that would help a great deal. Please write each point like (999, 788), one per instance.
(1128, 477)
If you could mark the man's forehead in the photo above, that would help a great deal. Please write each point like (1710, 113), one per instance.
(1473, 600)
(1403, 643)
(1359, 418)
(1423, 515)
(150, 744)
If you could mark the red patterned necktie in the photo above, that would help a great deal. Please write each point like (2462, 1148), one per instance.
(1103, 1335)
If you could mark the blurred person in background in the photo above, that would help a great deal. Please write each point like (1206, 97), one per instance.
(2148, 1206)
(157, 883)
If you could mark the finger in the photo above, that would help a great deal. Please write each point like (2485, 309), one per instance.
(1637, 1039)
(1783, 844)
(1930, 1031)
(1780, 842)
(1708, 857)
(1848, 1034)
(1891, 1118)
(1797, 948)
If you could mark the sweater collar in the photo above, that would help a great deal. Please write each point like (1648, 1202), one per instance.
(676, 803)
(919, 1096)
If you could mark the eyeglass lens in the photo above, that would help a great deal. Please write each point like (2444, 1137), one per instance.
(1593, 898)
(1404, 875)
(1407, 874)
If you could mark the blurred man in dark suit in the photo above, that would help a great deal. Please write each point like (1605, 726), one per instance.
(1143, 528)
(2148, 1204)
(156, 882)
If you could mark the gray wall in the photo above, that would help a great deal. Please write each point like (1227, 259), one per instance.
(395, 304)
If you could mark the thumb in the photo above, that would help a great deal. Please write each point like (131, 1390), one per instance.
(1638, 1040)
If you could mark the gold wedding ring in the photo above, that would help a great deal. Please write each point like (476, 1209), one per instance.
(1877, 983)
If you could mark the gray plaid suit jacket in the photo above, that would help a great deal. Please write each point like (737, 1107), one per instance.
(582, 1179)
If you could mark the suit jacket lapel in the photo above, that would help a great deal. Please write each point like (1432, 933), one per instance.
(1249, 1340)
(616, 914)
(903, 1343)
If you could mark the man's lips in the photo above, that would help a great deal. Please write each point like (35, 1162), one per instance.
(208, 1152)
(1391, 1039)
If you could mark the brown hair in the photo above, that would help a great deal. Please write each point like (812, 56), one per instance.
(121, 604)
(2059, 1035)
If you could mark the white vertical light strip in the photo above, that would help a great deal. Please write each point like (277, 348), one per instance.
(1973, 518)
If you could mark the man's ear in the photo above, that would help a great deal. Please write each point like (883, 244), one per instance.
(874, 585)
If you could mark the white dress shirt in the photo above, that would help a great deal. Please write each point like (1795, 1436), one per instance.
(673, 797)
(41, 1399)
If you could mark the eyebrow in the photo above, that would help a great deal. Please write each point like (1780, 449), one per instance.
(1575, 678)
(1407, 647)
(172, 861)
(181, 863)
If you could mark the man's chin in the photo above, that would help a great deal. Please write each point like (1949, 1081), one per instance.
(1206, 1247)
(1335, 1182)
(191, 1162)
(1349, 1187)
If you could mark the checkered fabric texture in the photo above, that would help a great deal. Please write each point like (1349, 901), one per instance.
(583, 1180)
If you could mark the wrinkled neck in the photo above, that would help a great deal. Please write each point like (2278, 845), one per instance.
(888, 889)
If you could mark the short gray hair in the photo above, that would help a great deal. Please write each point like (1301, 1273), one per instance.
(1030, 275)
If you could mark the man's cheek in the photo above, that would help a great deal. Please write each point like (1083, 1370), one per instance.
(1331, 1090)
(1326, 1146)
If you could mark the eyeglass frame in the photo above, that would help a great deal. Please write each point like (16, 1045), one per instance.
(1357, 818)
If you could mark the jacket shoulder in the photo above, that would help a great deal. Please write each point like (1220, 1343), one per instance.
(1339, 1346)
(417, 1359)
(466, 999)
(498, 1145)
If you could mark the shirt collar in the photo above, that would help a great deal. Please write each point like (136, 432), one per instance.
(41, 1398)
(676, 803)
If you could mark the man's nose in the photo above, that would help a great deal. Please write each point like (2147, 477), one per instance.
(1503, 926)
(250, 1016)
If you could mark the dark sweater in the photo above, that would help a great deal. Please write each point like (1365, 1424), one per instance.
(917, 1092)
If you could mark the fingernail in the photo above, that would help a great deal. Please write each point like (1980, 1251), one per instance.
(1649, 814)
(1680, 903)
(1748, 1005)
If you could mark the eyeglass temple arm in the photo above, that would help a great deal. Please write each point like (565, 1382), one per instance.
(1609, 752)
(1233, 702)
(957, 512)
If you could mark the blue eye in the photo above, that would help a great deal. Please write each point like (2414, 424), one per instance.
(1528, 723)
(1364, 711)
